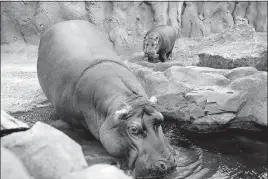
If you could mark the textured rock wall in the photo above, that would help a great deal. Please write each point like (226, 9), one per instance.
(127, 22)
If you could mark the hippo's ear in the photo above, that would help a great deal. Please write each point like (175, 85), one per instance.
(157, 38)
(120, 114)
(153, 100)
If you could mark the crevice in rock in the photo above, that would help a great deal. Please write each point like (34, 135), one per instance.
(191, 28)
(22, 35)
(233, 16)
(87, 10)
(150, 6)
(167, 14)
(183, 8)
(246, 11)
(182, 14)
(23, 2)
(5, 132)
(201, 31)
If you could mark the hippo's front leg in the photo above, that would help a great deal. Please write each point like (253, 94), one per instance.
(163, 56)
(169, 55)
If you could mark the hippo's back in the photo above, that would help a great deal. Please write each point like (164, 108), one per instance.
(66, 50)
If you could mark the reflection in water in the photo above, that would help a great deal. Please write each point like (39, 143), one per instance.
(217, 155)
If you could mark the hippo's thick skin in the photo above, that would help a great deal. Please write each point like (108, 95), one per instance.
(81, 74)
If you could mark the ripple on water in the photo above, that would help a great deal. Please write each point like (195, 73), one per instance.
(216, 158)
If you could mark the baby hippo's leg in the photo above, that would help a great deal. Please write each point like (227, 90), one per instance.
(169, 55)
(162, 56)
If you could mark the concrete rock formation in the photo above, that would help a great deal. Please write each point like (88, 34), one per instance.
(207, 99)
(99, 171)
(11, 166)
(127, 22)
(46, 152)
(235, 46)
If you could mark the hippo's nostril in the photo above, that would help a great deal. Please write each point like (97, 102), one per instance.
(161, 165)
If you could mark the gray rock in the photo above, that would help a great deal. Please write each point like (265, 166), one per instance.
(192, 77)
(46, 152)
(240, 72)
(207, 99)
(11, 166)
(9, 122)
(211, 122)
(98, 171)
(237, 46)
(255, 86)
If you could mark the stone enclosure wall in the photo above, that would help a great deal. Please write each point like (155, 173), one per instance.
(127, 22)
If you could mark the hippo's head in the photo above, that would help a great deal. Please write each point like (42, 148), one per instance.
(151, 44)
(135, 134)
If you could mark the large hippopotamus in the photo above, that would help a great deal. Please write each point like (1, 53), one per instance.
(83, 77)
(159, 42)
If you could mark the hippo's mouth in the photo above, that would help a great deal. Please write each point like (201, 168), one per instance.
(154, 177)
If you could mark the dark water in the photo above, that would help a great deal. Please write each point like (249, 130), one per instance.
(227, 154)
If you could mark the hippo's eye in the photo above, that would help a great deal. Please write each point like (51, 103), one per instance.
(133, 130)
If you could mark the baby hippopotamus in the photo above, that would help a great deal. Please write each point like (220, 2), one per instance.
(159, 42)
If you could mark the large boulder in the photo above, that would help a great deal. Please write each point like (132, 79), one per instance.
(46, 152)
(207, 99)
(98, 171)
(236, 46)
(11, 166)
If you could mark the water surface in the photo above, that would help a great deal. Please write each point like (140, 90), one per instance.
(226, 154)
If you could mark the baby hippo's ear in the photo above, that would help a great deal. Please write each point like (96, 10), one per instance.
(157, 39)
(153, 100)
(121, 114)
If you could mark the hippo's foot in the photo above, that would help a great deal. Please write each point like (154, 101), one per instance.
(169, 58)
(169, 55)
(153, 60)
